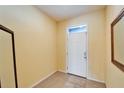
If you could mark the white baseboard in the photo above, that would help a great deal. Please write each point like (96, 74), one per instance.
(42, 79)
(95, 80)
(62, 71)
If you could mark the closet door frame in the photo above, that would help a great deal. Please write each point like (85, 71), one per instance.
(3, 28)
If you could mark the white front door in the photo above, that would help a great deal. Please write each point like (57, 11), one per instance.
(77, 53)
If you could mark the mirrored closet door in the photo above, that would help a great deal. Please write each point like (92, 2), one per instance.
(8, 77)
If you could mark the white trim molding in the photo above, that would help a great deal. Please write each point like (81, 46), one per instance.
(62, 71)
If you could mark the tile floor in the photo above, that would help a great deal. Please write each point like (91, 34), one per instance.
(63, 80)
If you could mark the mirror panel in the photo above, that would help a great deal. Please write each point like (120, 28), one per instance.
(6, 61)
(119, 41)
(8, 75)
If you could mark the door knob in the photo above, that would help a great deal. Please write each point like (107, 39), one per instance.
(85, 55)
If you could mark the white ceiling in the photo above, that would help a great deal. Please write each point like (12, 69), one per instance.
(62, 12)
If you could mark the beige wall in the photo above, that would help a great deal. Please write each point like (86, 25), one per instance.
(96, 43)
(114, 77)
(35, 42)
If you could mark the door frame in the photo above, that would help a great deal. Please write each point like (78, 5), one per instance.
(3, 28)
(67, 42)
